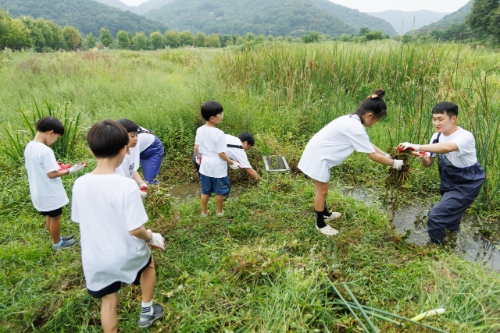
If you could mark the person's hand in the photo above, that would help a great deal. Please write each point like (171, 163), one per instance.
(143, 189)
(157, 241)
(406, 145)
(77, 167)
(420, 155)
(397, 164)
(235, 165)
(198, 160)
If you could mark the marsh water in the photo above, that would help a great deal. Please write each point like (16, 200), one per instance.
(469, 243)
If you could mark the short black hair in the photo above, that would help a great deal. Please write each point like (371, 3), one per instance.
(245, 136)
(374, 103)
(211, 109)
(451, 109)
(106, 138)
(129, 125)
(50, 123)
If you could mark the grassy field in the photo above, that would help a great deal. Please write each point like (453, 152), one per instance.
(262, 267)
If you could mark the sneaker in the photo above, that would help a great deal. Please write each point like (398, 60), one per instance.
(327, 231)
(204, 215)
(220, 214)
(333, 216)
(65, 238)
(64, 244)
(148, 320)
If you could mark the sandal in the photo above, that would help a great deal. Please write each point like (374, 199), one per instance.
(327, 231)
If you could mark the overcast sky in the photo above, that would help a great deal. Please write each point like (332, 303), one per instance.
(444, 6)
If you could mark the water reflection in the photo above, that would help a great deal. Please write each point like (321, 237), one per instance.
(468, 242)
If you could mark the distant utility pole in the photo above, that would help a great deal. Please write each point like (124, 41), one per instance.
(316, 24)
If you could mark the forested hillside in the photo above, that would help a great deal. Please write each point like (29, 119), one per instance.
(454, 18)
(355, 18)
(141, 9)
(405, 21)
(85, 15)
(276, 17)
(117, 4)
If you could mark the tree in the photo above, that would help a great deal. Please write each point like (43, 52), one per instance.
(71, 37)
(105, 37)
(16, 36)
(90, 41)
(123, 39)
(157, 40)
(485, 15)
(364, 31)
(172, 38)
(200, 40)
(213, 41)
(140, 41)
(186, 38)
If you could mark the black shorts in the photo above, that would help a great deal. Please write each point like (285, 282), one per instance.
(115, 286)
(53, 213)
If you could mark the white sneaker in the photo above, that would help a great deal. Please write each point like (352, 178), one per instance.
(221, 213)
(327, 231)
(333, 216)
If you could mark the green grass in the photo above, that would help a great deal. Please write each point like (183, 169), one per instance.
(263, 266)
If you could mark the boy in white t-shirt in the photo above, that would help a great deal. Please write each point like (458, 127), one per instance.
(461, 174)
(46, 188)
(334, 143)
(110, 212)
(210, 150)
(130, 163)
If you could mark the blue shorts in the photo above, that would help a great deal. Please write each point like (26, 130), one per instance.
(219, 186)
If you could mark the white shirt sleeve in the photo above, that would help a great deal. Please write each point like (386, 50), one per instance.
(466, 143)
(220, 140)
(135, 214)
(361, 142)
(49, 161)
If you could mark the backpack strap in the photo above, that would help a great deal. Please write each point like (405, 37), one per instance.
(234, 146)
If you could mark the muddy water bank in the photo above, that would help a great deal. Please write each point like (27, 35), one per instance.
(469, 243)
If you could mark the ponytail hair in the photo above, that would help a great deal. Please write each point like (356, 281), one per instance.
(375, 104)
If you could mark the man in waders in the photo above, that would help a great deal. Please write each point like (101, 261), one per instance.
(461, 174)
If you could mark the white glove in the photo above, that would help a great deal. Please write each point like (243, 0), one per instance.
(421, 155)
(235, 165)
(397, 164)
(198, 160)
(386, 155)
(407, 145)
(76, 167)
(157, 241)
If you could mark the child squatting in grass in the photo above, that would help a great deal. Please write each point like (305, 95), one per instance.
(334, 143)
(110, 213)
(46, 188)
(210, 143)
(130, 163)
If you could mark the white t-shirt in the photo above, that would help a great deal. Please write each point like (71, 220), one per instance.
(130, 162)
(237, 154)
(211, 142)
(332, 145)
(46, 194)
(144, 141)
(107, 207)
(466, 154)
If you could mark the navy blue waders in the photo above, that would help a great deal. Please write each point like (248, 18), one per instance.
(459, 188)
